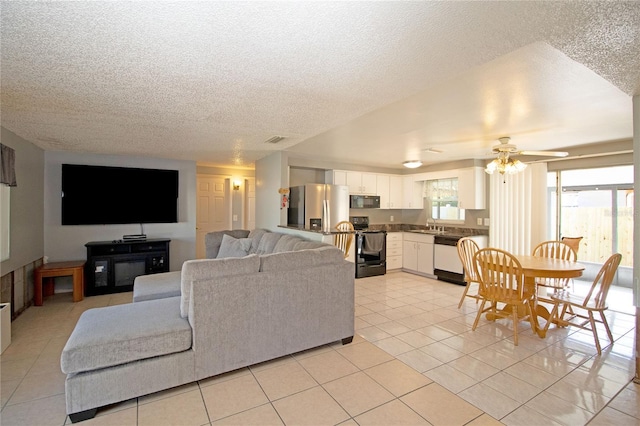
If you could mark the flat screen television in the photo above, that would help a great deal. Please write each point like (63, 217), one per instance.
(100, 195)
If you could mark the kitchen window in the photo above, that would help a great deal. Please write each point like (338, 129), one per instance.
(442, 196)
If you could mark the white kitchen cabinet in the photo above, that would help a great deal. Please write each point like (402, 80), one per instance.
(389, 188)
(361, 183)
(395, 192)
(417, 253)
(412, 193)
(471, 188)
(394, 250)
(410, 255)
(382, 187)
(339, 177)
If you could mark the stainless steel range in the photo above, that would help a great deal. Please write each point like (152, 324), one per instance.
(371, 248)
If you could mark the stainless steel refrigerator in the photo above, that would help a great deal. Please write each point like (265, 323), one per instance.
(310, 204)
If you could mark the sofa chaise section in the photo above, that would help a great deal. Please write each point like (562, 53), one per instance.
(120, 352)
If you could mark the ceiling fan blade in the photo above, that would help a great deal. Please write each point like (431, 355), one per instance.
(545, 153)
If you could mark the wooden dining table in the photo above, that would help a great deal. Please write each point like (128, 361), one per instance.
(545, 267)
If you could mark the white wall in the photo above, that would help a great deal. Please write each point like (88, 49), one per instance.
(67, 242)
(27, 205)
(272, 173)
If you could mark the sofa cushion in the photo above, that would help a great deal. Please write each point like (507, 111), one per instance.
(156, 286)
(286, 243)
(234, 247)
(212, 240)
(118, 334)
(256, 236)
(301, 259)
(202, 269)
(268, 242)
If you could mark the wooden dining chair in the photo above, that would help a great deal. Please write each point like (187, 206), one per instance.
(467, 248)
(343, 241)
(556, 250)
(581, 309)
(502, 281)
(573, 242)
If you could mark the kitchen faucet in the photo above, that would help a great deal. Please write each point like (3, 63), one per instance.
(434, 226)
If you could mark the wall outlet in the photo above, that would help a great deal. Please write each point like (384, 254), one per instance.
(486, 221)
(479, 221)
(391, 218)
(235, 217)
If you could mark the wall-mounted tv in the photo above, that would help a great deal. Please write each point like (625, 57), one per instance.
(99, 195)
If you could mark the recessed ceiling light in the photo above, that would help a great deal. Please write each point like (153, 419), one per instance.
(412, 164)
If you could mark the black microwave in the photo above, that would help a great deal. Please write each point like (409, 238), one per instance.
(364, 201)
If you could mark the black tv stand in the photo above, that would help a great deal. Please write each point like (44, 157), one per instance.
(113, 265)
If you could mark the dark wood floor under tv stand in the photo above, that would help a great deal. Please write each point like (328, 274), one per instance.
(113, 265)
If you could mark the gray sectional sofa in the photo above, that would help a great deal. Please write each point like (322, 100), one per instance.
(260, 296)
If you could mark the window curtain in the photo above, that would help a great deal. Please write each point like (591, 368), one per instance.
(7, 166)
(519, 209)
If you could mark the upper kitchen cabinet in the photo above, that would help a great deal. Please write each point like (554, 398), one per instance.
(336, 177)
(471, 188)
(358, 182)
(396, 191)
(362, 183)
(412, 193)
(389, 188)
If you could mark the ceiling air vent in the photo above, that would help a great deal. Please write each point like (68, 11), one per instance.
(274, 139)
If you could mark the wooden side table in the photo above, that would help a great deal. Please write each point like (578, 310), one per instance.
(73, 268)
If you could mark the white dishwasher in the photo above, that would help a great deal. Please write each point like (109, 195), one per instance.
(446, 262)
(447, 265)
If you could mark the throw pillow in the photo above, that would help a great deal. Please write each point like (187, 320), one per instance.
(234, 247)
(256, 236)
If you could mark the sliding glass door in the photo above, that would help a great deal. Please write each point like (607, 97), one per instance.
(596, 204)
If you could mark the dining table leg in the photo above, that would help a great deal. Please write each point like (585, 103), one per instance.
(538, 309)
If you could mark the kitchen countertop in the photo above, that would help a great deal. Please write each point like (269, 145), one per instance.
(315, 231)
(449, 231)
(400, 227)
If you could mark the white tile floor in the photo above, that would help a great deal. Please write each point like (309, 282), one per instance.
(417, 362)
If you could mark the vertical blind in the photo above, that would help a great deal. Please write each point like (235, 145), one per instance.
(519, 209)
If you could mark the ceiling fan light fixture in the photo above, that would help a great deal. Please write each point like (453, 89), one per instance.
(505, 165)
(412, 164)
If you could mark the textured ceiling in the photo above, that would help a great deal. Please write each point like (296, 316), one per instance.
(373, 83)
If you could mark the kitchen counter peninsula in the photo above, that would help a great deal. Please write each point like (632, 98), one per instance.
(315, 230)
(394, 227)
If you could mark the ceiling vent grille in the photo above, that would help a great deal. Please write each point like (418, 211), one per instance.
(274, 139)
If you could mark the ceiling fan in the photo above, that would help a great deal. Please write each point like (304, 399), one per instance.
(506, 148)
(503, 164)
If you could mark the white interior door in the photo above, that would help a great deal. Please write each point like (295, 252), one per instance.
(212, 208)
(250, 203)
